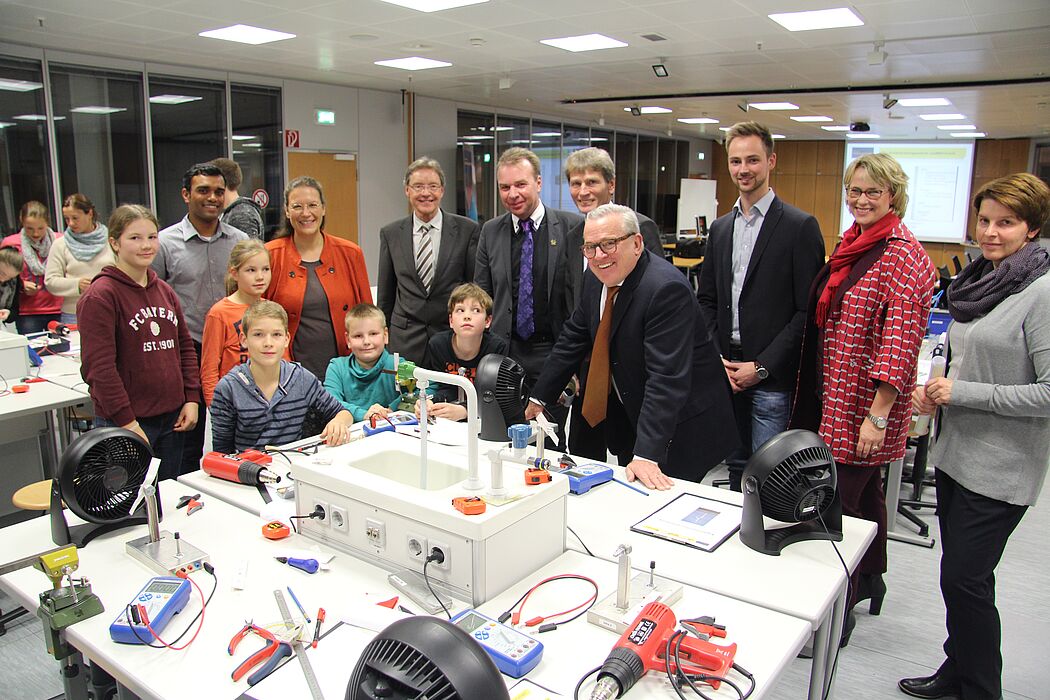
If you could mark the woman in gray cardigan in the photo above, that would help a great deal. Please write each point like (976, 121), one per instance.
(992, 451)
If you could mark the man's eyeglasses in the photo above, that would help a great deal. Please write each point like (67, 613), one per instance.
(856, 192)
(420, 188)
(313, 208)
(608, 246)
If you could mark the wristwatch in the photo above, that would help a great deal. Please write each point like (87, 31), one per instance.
(879, 422)
(761, 371)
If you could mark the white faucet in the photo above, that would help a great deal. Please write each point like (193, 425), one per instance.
(423, 378)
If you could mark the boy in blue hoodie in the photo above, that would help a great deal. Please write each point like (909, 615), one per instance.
(364, 381)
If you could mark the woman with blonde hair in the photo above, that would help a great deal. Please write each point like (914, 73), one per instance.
(36, 306)
(868, 312)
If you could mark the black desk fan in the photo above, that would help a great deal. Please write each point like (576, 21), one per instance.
(791, 479)
(502, 396)
(100, 478)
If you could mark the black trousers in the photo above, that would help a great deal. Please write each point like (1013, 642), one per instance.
(532, 355)
(193, 441)
(974, 532)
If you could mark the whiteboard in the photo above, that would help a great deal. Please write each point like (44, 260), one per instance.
(696, 198)
(939, 176)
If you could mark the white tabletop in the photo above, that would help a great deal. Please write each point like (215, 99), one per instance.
(41, 396)
(232, 536)
(803, 581)
(766, 641)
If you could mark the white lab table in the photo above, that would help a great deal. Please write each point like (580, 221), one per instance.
(231, 536)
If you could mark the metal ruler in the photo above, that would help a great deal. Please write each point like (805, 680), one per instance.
(297, 646)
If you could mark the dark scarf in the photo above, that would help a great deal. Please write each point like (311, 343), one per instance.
(980, 287)
(855, 243)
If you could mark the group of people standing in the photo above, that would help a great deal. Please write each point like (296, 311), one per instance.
(672, 382)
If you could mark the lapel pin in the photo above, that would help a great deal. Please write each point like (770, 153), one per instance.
(554, 241)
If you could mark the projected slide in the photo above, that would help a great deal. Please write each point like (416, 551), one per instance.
(939, 176)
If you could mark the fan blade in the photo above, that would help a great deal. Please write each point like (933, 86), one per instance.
(151, 476)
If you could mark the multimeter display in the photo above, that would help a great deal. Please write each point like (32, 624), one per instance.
(390, 423)
(515, 653)
(583, 478)
(161, 598)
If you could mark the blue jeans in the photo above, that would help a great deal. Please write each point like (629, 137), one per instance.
(34, 323)
(68, 319)
(163, 440)
(760, 416)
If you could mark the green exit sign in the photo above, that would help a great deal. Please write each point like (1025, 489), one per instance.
(325, 116)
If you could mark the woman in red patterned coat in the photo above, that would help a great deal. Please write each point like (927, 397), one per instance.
(869, 308)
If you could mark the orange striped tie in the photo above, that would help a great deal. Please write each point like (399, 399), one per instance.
(597, 397)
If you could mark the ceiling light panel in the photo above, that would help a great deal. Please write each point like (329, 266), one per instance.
(923, 102)
(413, 63)
(19, 85)
(584, 42)
(812, 119)
(970, 135)
(699, 120)
(174, 99)
(862, 136)
(837, 127)
(98, 109)
(772, 106)
(941, 117)
(955, 127)
(650, 110)
(246, 34)
(433, 5)
(834, 18)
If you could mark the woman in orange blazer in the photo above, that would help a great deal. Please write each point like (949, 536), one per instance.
(317, 277)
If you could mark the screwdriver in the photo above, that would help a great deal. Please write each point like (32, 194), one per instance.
(310, 566)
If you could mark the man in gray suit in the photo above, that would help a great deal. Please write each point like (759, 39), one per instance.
(521, 264)
(422, 258)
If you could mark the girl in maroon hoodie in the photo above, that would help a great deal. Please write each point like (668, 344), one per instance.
(136, 353)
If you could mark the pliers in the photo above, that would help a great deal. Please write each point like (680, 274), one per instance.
(271, 654)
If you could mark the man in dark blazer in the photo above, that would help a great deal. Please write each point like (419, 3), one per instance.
(527, 313)
(415, 310)
(591, 174)
(760, 262)
(667, 411)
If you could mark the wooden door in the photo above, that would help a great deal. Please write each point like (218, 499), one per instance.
(337, 173)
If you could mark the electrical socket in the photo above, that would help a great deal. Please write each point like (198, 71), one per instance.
(338, 517)
(417, 547)
(326, 521)
(445, 565)
(375, 532)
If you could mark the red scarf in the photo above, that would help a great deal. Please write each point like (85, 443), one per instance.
(855, 243)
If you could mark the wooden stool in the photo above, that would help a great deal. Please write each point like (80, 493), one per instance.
(36, 496)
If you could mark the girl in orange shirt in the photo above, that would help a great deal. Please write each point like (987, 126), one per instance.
(247, 279)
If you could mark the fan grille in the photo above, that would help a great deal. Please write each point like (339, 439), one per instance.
(397, 662)
(104, 479)
(800, 487)
(510, 390)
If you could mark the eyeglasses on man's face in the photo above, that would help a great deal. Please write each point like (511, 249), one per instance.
(856, 192)
(608, 246)
(420, 188)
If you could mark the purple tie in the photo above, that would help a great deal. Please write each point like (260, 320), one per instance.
(525, 321)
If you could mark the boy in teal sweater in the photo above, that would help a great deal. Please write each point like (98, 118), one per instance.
(364, 381)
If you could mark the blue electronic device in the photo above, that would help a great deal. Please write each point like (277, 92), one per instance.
(161, 597)
(583, 478)
(390, 423)
(514, 652)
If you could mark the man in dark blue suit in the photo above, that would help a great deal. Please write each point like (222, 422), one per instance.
(655, 379)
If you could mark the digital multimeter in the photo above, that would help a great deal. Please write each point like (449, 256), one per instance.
(390, 423)
(515, 653)
(583, 479)
(161, 597)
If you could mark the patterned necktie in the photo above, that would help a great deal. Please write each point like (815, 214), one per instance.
(425, 257)
(596, 398)
(525, 320)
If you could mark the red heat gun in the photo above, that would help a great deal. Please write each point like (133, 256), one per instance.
(248, 467)
(643, 648)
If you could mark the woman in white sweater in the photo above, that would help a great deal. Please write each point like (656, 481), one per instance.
(992, 450)
(77, 256)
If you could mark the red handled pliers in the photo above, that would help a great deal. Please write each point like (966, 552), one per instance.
(271, 654)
